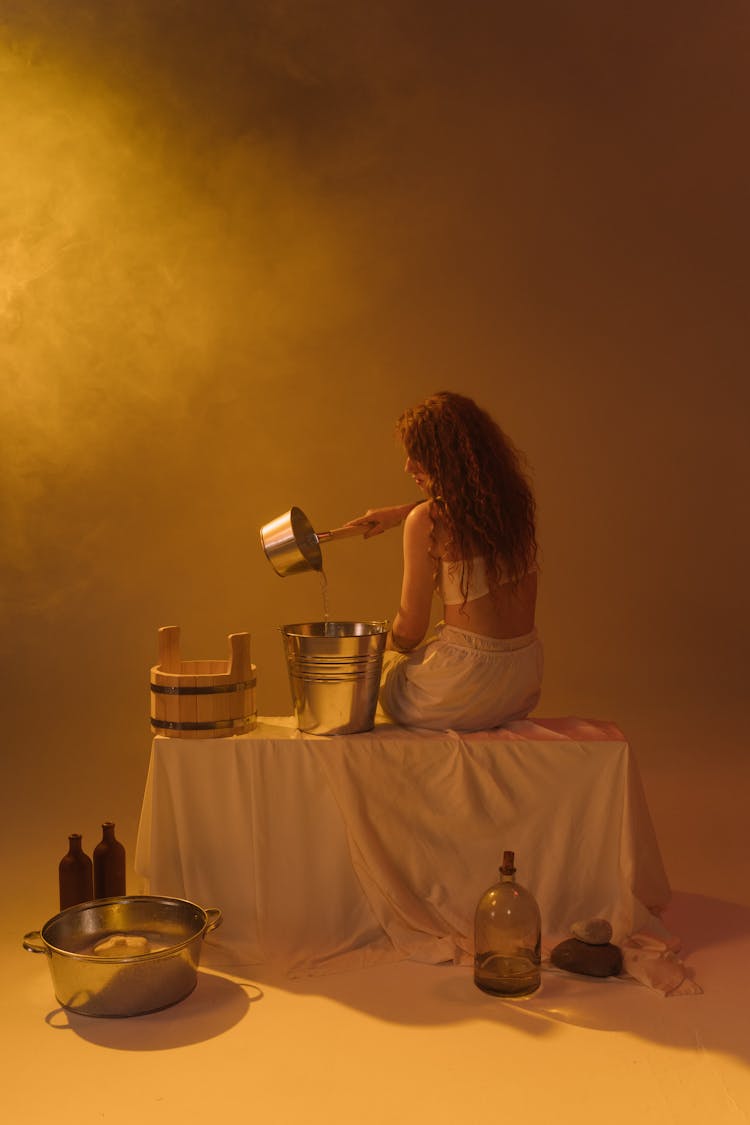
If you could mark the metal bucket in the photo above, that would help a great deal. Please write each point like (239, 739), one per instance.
(334, 674)
(291, 545)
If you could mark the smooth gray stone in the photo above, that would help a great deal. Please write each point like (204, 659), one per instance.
(594, 931)
(590, 960)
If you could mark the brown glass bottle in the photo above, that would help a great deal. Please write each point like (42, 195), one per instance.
(109, 864)
(75, 874)
(507, 937)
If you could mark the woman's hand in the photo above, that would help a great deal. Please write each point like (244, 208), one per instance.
(378, 520)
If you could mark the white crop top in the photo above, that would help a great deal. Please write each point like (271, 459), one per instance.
(451, 575)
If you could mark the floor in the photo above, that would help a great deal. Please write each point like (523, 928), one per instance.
(411, 1042)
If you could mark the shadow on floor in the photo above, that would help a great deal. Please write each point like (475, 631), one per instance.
(716, 943)
(216, 1005)
(716, 946)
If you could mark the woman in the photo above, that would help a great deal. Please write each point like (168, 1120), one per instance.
(472, 541)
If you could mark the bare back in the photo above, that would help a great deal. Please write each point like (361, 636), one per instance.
(507, 611)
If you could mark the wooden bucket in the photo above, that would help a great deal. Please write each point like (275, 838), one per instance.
(202, 698)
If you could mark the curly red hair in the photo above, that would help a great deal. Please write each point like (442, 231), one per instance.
(477, 482)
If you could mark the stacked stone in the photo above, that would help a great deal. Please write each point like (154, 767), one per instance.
(589, 951)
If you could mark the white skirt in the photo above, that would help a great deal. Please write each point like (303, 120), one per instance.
(463, 681)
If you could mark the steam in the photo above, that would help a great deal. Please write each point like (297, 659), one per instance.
(165, 240)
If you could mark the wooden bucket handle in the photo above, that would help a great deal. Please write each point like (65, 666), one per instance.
(169, 649)
(169, 652)
(239, 655)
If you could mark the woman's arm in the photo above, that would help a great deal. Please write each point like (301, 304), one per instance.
(383, 519)
(413, 618)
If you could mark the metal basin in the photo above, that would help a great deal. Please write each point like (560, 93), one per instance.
(124, 956)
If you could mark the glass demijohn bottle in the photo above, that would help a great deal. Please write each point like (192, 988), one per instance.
(507, 937)
(75, 874)
(109, 864)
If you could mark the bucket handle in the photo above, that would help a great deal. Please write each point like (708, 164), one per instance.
(169, 649)
(239, 655)
(33, 942)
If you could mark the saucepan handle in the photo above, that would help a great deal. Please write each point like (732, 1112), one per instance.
(33, 942)
(342, 532)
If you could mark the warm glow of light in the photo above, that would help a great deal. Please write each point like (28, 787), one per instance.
(139, 273)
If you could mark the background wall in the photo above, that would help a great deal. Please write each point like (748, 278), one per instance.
(239, 238)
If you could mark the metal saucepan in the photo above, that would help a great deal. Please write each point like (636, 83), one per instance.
(124, 956)
(291, 544)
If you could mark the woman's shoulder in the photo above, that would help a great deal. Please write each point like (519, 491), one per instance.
(421, 527)
(420, 516)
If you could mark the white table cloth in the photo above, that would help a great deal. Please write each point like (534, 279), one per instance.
(333, 853)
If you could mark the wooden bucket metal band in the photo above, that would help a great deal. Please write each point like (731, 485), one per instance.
(217, 724)
(213, 689)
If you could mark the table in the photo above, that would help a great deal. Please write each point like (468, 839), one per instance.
(330, 853)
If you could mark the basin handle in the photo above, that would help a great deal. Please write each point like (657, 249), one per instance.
(213, 919)
(33, 942)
